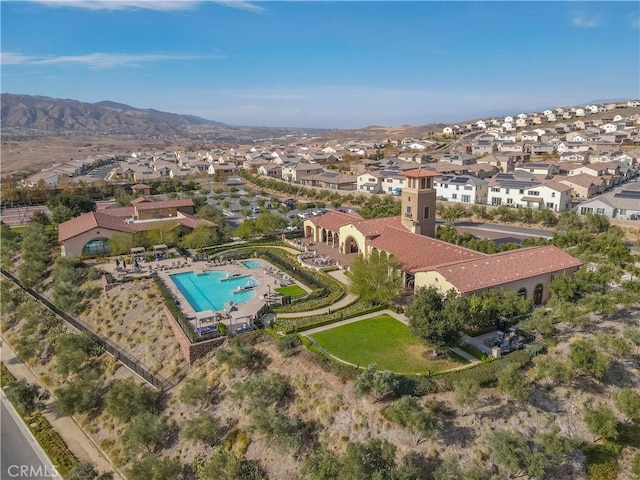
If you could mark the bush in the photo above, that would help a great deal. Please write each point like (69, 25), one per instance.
(288, 344)
(485, 374)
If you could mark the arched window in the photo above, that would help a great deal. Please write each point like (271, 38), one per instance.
(98, 246)
(537, 294)
(523, 292)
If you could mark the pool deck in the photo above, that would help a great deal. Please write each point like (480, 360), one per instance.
(266, 279)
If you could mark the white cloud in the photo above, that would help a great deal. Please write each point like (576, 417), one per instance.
(581, 20)
(10, 58)
(98, 60)
(159, 5)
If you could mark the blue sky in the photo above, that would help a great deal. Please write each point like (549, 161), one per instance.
(323, 64)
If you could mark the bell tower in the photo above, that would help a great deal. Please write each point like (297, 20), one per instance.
(418, 213)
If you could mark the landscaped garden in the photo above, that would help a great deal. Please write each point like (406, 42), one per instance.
(382, 340)
(291, 291)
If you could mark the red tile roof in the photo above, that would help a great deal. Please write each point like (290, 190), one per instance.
(418, 252)
(501, 268)
(333, 220)
(419, 173)
(375, 226)
(191, 221)
(88, 221)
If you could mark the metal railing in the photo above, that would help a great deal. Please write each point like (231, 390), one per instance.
(129, 361)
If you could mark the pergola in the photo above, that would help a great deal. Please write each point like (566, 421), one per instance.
(137, 251)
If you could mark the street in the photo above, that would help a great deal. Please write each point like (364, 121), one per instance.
(21, 456)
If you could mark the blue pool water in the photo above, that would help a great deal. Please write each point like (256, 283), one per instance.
(207, 291)
(252, 264)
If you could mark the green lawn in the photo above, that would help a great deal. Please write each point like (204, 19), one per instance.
(291, 291)
(382, 340)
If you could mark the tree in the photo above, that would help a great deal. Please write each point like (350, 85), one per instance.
(551, 370)
(26, 397)
(201, 236)
(153, 467)
(601, 422)
(73, 352)
(515, 453)
(407, 413)
(261, 390)
(284, 431)
(429, 320)
(375, 279)
(195, 391)
(322, 464)
(203, 428)
(224, 465)
(80, 396)
(126, 399)
(376, 383)
(239, 357)
(373, 459)
(511, 382)
(87, 471)
(465, 393)
(146, 432)
(268, 223)
(587, 359)
(167, 233)
(247, 229)
(627, 401)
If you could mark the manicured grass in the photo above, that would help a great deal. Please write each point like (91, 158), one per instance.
(291, 291)
(382, 340)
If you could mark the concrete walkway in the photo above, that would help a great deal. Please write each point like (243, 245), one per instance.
(343, 302)
(464, 354)
(81, 444)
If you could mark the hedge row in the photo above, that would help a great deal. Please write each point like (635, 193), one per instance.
(300, 324)
(47, 437)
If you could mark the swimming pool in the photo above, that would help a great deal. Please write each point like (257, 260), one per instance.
(213, 290)
(252, 264)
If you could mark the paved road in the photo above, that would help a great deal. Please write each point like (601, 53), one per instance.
(21, 456)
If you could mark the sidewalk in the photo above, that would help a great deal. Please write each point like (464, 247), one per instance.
(343, 302)
(81, 444)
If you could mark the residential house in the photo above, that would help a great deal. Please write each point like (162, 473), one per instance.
(502, 161)
(462, 189)
(458, 158)
(328, 179)
(270, 170)
(484, 146)
(583, 185)
(539, 168)
(624, 205)
(292, 171)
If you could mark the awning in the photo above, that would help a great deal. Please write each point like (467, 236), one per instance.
(238, 314)
(162, 246)
(205, 314)
(135, 250)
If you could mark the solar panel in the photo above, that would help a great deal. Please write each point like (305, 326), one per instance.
(459, 180)
(517, 184)
(628, 194)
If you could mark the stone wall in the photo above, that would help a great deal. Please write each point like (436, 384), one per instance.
(191, 351)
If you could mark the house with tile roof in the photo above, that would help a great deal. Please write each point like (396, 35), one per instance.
(528, 271)
(89, 233)
(427, 261)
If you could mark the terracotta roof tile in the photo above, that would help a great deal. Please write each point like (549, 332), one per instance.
(333, 220)
(375, 226)
(501, 268)
(418, 252)
(88, 221)
(419, 173)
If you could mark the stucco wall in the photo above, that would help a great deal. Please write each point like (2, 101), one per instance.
(350, 231)
(434, 279)
(73, 246)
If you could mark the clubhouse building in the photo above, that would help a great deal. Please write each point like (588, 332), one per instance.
(427, 261)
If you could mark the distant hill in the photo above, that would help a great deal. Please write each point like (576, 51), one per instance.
(45, 115)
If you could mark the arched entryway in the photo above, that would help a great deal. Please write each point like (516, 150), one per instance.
(538, 293)
(350, 245)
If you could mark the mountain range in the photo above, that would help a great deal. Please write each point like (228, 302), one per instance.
(28, 115)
